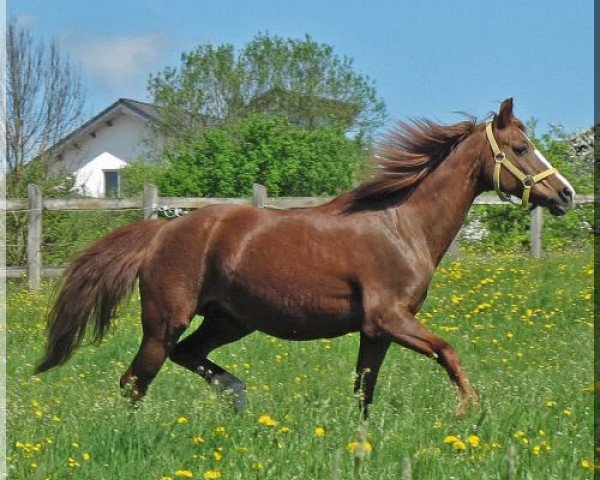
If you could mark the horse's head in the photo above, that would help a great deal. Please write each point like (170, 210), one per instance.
(514, 166)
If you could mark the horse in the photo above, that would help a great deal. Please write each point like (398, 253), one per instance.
(362, 262)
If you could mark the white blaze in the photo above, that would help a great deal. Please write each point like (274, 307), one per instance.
(543, 159)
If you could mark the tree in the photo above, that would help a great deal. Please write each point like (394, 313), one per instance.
(302, 80)
(44, 101)
(44, 97)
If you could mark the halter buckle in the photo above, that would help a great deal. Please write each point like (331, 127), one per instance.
(528, 181)
(499, 157)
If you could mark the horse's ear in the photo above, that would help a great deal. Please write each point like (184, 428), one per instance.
(505, 114)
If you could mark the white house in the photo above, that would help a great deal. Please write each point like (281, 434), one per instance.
(97, 150)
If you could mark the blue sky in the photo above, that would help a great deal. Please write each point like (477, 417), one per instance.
(428, 58)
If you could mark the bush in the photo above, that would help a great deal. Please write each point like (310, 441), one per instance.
(226, 161)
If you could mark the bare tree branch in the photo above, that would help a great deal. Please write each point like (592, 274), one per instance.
(44, 97)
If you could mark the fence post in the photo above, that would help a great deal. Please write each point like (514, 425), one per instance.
(259, 197)
(536, 232)
(34, 237)
(150, 201)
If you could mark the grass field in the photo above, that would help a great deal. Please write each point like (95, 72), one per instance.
(523, 329)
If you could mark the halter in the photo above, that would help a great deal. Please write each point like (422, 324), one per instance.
(500, 161)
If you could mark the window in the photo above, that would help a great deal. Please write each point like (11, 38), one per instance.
(112, 183)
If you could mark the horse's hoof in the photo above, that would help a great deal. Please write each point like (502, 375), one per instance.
(462, 408)
(229, 385)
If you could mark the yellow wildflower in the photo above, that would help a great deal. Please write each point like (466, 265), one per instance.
(451, 439)
(184, 473)
(455, 442)
(181, 420)
(365, 446)
(319, 432)
(474, 440)
(211, 474)
(265, 419)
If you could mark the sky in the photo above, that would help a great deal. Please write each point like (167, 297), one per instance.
(428, 58)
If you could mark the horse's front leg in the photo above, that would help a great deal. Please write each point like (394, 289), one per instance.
(370, 357)
(399, 325)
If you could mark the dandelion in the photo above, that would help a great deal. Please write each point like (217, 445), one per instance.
(218, 454)
(211, 474)
(258, 466)
(550, 403)
(182, 420)
(184, 473)
(567, 412)
(364, 446)
(473, 440)
(220, 431)
(319, 432)
(86, 456)
(197, 440)
(265, 419)
(585, 463)
(284, 429)
(455, 442)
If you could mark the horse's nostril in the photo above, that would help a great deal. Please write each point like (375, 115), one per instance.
(566, 194)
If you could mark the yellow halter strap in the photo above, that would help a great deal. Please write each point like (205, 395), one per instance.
(500, 161)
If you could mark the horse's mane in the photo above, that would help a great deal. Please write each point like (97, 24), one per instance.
(409, 152)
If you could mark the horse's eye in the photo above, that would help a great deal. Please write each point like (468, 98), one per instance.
(520, 149)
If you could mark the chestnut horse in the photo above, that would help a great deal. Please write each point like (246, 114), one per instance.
(362, 262)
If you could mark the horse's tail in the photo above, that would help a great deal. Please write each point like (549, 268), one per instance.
(94, 284)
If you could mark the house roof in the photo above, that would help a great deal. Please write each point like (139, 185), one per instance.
(147, 112)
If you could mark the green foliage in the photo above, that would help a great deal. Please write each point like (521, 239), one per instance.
(37, 172)
(67, 233)
(507, 228)
(52, 186)
(300, 79)
(226, 161)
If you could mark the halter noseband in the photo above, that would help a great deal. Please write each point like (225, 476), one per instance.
(500, 161)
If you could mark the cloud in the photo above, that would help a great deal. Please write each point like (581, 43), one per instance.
(121, 63)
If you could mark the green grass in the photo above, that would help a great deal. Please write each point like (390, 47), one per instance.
(522, 328)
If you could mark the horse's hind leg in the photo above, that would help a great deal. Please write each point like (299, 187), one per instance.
(162, 326)
(370, 357)
(191, 352)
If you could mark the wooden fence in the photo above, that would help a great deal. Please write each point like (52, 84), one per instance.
(151, 202)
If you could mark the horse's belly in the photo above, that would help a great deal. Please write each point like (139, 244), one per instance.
(294, 311)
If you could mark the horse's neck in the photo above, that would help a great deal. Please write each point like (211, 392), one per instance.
(439, 205)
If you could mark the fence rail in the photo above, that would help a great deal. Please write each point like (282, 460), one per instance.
(151, 202)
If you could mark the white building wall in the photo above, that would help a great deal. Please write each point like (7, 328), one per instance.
(89, 179)
(110, 147)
